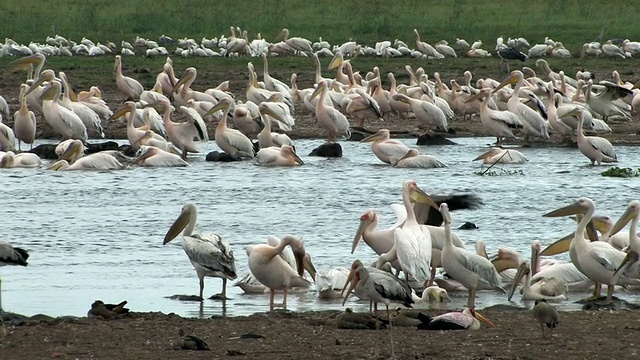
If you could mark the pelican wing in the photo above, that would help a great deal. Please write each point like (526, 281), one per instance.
(371, 102)
(338, 119)
(479, 265)
(414, 252)
(615, 91)
(508, 118)
(603, 145)
(197, 121)
(134, 85)
(564, 272)
(393, 148)
(239, 141)
(97, 161)
(609, 258)
(553, 287)
(211, 252)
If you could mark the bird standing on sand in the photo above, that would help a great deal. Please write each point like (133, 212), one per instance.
(545, 314)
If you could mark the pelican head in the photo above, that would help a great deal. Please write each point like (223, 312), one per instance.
(436, 293)
(365, 220)
(187, 213)
(630, 213)
(47, 75)
(484, 92)
(477, 315)
(189, 74)
(319, 89)
(144, 152)
(353, 279)
(303, 260)
(74, 148)
(336, 61)
(118, 62)
(58, 165)
(288, 152)
(127, 107)
(579, 207)
(444, 210)
(8, 159)
(506, 259)
(224, 105)
(266, 109)
(514, 77)
(523, 269)
(417, 195)
(382, 134)
(402, 98)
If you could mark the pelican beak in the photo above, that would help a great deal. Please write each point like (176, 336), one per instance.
(222, 105)
(183, 79)
(26, 62)
(352, 281)
(631, 258)
(57, 165)
(503, 264)
(364, 224)
(120, 112)
(558, 247)
(372, 138)
(181, 222)
(267, 111)
(39, 81)
(73, 149)
(510, 80)
(296, 158)
(475, 97)
(308, 265)
(572, 209)
(400, 97)
(417, 195)
(602, 225)
(480, 317)
(522, 271)
(629, 214)
(485, 155)
(317, 91)
(445, 296)
(47, 94)
(336, 61)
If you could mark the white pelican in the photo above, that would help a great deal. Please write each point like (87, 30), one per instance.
(182, 134)
(425, 48)
(64, 121)
(296, 43)
(413, 159)
(7, 137)
(154, 95)
(182, 91)
(329, 283)
(103, 160)
(284, 155)
(266, 138)
(23, 160)
(11, 255)
(598, 260)
(549, 289)
(603, 102)
(279, 110)
(596, 148)
(432, 293)
(328, 117)
(89, 118)
(380, 241)
(151, 156)
(497, 155)
(385, 148)
(135, 135)
(272, 83)
(24, 121)
(498, 123)
(377, 289)
(274, 272)
(468, 319)
(231, 141)
(468, 268)
(545, 314)
(632, 213)
(412, 246)
(425, 111)
(209, 253)
(128, 86)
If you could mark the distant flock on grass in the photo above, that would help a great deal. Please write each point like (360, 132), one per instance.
(237, 43)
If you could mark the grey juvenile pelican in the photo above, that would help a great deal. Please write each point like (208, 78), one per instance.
(209, 254)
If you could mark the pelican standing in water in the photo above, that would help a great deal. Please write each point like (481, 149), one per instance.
(231, 141)
(328, 117)
(182, 134)
(274, 272)
(596, 148)
(470, 269)
(24, 121)
(385, 148)
(10, 255)
(209, 253)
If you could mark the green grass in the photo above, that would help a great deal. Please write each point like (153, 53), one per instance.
(573, 21)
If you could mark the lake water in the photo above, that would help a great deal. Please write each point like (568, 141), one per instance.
(98, 235)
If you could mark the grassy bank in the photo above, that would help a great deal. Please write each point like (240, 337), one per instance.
(573, 21)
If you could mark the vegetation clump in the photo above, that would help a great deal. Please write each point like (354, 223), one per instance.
(621, 172)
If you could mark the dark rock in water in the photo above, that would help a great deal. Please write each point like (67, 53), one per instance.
(505, 307)
(45, 151)
(221, 156)
(468, 226)
(185, 297)
(127, 150)
(598, 304)
(97, 147)
(433, 139)
(327, 150)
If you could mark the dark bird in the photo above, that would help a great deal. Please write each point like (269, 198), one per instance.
(189, 342)
(428, 215)
(466, 320)
(350, 320)
(10, 255)
(100, 310)
(545, 314)
(507, 53)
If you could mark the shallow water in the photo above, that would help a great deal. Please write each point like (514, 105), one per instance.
(98, 235)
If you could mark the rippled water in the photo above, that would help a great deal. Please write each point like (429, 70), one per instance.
(98, 235)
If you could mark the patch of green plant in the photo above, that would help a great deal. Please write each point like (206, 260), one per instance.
(621, 172)
(501, 172)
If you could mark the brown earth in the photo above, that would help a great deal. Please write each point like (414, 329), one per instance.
(314, 335)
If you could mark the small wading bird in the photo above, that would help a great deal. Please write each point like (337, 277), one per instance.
(10, 255)
(545, 314)
(209, 254)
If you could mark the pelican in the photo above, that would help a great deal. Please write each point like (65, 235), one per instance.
(11, 255)
(328, 117)
(539, 290)
(128, 86)
(231, 141)
(497, 155)
(272, 83)
(89, 117)
(151, 156)
(598, 260)
(138, 136)
(498, 123)
(432, 293)
(632, 213)
(7, 137)
(103, 160)
(64, 121)
(382, 290)
(545, 314)
(413, 159)
(329, 283)
(468, 319)
(603, 101)
(274, 272)
(412, 246)
(284, 155)
(380, 241)
(182, 91)
(296, 43)
(470, 269)
(266, 138)
(385, 148)
(209, 253)
(182, 134)
(596, 148)
(22, 160)
(425, 111)
(24, 121)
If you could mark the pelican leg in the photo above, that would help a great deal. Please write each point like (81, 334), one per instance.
(375, 314)
(201, 288)
(597, 287)
(393, 353)
(224, 288)
(472, 299)
(272, 295)
(609, 295)
(284, 302)
(433, 275)
(370, 306)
